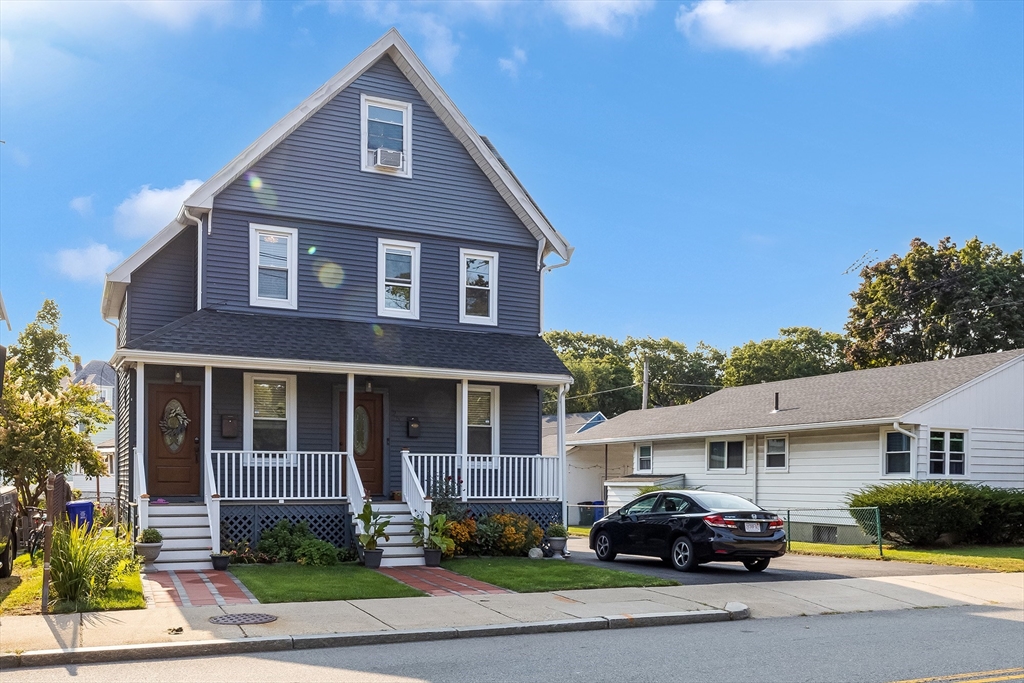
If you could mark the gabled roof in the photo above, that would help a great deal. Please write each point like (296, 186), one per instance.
(575, 423)
(391, 44)
(96, 372)
(874, 396)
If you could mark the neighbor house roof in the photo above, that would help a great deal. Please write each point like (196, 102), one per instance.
(876, 395)
(574, 424)
(391, 44)
(318, 344)
(96, 372)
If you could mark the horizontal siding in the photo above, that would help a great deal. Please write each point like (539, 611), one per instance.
(519, 419)
(996, 457)
(163, 289)
(433, 402)
(354, 249)
(996, 402)
(315, 174)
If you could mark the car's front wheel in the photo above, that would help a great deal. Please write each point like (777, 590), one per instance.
(758, 565)
(683, 557)
(603, 547)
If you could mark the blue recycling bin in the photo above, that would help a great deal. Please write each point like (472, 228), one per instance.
(598, 510)
(80, 512)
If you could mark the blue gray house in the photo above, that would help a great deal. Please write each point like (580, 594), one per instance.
(350, 309)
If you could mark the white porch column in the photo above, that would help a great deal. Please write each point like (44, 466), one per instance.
(350, 438)
(213, 501)
(562, 464)
(463, 438)
(141, 497)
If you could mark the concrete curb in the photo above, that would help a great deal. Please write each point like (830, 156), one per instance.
(205, 648)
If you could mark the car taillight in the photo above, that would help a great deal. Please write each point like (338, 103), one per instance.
(719, 521)
(776, 523)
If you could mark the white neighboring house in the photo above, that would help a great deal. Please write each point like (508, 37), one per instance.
(103, 376)
(584, 480)
(807, 443)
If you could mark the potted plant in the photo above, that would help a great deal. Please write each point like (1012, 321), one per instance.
(148, 544)
(434, 538)
(220, 561)
(374, 525)
(556, 535)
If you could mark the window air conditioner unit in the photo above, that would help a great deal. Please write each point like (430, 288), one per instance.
(387, 158)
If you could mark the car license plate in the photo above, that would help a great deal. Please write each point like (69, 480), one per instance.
(753, 527)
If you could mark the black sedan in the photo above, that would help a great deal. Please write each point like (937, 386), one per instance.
(689, 528)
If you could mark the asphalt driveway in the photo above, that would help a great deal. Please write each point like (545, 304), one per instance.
(787, 568)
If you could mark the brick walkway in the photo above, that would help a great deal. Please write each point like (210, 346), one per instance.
(194, 588)
(436, 581)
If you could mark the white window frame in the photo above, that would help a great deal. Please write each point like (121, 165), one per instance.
(414, 298)
(291, 414)
(406, 107)
(945, 440)
(883, 433)
(636, 458)
(495, 391)
(784, 437)
(292, 302)
(724, 470)
(492, 257)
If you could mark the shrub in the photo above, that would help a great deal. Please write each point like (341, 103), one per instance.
(518, 533)
(488, 536)
(919, 512)
(150, 535)
(284, 539)
(446, 499)
(83, 562)
(241, 552)
(1002, 518)
(464, 533)
(316, 553)
(556, 531)
(347, 554)
(103, 515)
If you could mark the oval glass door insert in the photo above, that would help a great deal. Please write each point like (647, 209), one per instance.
(362, 430)
(173, 425)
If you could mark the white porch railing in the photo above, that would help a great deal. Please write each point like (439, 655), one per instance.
(502, 477)
(141, 496)
(290, 475)
(212, 504)
(412, 492)
(354, 490)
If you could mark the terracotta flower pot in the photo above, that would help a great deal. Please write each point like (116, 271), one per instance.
(432, 557)
(371, 558)
(149, 551)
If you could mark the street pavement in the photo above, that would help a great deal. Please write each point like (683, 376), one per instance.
(855, 648)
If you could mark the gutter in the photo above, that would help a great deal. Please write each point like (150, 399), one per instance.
(199, 252)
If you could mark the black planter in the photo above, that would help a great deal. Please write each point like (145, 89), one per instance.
(432, 557)
(371, 558)
(220, 562)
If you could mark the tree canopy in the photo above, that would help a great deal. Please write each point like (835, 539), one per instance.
(799, 352)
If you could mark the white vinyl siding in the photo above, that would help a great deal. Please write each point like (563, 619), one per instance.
(273, 266)
(398, 279)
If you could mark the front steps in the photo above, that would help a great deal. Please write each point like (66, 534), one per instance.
(399, 551)
(186, 531)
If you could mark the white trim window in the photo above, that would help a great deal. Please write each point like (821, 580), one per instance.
(727, 454)
(386, 136)
(478, 287)
(483, 428)
(898, 458)
(273, 266)
(776, 452)
(398, 279)
(947, 453)
(269, 405)
(643, 458)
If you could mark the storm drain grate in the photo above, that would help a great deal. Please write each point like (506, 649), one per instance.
(243, 619)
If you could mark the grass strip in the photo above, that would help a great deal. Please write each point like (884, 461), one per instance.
(22, 592)
(523, 575)
(291, 582)
(996, 558)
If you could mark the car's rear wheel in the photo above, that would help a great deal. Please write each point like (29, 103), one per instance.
(603, 547)
(7, 558)
(758, 565)
(683, 557)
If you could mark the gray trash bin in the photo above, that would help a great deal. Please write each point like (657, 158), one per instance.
(586, 513)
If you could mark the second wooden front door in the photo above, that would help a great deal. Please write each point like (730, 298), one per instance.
(368, 441)
(174, 431)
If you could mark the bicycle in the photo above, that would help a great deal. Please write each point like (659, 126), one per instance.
(37, 534)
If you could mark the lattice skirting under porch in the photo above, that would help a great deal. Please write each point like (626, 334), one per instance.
(544, 513)
(331, 522)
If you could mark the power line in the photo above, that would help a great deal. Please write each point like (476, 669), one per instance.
(606, 391)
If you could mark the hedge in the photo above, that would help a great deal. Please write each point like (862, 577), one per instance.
(929, 512)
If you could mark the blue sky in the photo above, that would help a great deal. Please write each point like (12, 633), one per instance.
(718, 165)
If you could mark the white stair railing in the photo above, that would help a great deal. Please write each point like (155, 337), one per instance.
(212, 504)
(354, 490)
(141, 495)
(413, 494)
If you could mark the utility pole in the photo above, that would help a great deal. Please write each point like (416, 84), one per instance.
(647, 383)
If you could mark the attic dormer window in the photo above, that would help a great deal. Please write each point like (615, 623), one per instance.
(386, 136)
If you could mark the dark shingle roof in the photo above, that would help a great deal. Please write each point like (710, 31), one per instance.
(842, 397)
(219, 333)
(96, 372)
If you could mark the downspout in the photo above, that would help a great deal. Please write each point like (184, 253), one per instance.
(199, 254)
(548, 269)
(913, 451)
(755, 465)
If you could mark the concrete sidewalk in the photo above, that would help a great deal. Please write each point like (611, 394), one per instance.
(386, 620)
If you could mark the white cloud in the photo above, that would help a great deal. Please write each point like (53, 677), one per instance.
(606, 16)
(81, 18)
(88, 264)
(510, 65)
(146, 211)
(82, 205)
(781, 26)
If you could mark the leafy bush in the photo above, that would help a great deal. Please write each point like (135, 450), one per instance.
(649, 488)
(150, 535)
(464, 534)
(83, 561)
(1002, 519)
(241, 552)
(347, 554)
(518, 533)
(316, 553)
(446, 499)
(284, 539)
(556, 531)
(488, 536)
(919, 512)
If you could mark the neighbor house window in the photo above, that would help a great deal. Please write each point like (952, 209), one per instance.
(398, 279)
(482, 426)
(273, 266)
(386, 136)
(947, 453)
(725, 455)
(644, 458)
(270, 410)
(478, 290)
(897, 453)
(776, 452)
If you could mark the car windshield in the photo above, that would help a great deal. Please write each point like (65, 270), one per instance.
(722, 501)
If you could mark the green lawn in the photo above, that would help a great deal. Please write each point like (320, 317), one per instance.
(22, 592)
(524, 575)
(583, 531)
(998, 558)
(290, 582)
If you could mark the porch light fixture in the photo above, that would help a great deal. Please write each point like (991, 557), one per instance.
(369, 387)
(177, 376)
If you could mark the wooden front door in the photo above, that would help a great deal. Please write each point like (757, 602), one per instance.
(368, 441)
(174, 430)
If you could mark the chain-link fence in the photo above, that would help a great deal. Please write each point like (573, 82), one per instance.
(822, 531)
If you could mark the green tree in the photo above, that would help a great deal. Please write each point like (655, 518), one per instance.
(42, 351)
(798, 352)
(937, 302)
(601, 373)
(677, 375)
